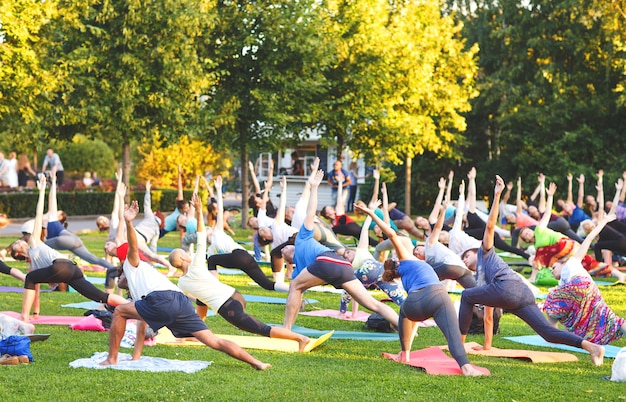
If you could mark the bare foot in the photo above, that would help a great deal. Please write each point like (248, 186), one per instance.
(303, 342)
(262, 366)
(471, 371)
(25, 318)
(597, 354)
(108, 362)
(403, 357)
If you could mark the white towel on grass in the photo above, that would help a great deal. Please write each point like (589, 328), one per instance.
(145, 363)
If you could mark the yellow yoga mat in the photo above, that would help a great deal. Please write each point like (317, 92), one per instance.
(165, 337)
(530, 355)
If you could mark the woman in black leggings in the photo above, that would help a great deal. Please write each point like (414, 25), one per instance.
(66, 271)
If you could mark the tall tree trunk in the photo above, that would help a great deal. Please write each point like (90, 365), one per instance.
(126, 165)
(407, 185)
(244, 186)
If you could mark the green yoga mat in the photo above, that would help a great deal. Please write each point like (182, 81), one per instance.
(610, 351)
(372, 336)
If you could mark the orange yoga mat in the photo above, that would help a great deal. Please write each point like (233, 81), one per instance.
(529, 355)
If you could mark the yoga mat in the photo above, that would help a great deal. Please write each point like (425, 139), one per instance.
(272, 300)
(15, 289)
(145, 363)
(610, 351)
(371, 335)
(360, 315)
(92, 268)
(38, 337)
(324, 289)
(86, 305)
(165, 337)
(529, 355)
(48, 319)
(228, 271)
(434, 362)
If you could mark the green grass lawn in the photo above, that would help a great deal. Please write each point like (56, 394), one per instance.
(338, 370)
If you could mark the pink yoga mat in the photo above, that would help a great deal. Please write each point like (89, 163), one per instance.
(434, 362)
(48, 319)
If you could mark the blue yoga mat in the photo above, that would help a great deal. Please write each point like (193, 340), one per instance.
(536, 340)
(371, 336)
(272, 300)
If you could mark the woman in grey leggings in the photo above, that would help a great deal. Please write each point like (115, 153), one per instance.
(426, 298)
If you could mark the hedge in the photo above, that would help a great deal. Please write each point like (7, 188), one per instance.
(76, 203)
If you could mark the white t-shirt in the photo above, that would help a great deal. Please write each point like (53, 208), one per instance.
(438, 255)
(281, 233)
(222, 243)
(145, 279)
(573, 267)
(42, 256)
(202, 284)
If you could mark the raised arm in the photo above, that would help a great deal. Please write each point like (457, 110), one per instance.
(584, 246)
(219, 220)
(340, 206)
(35, 237)
(492, 219)
(433, 238)
(449, 188)
(192, 207)
(622, 195)
(115, 213)
(314, 180)
(518, 198)
(507, 191)
(255, 181)
(208, 187)
(376, 175)
(130, 213)
(619, 186)
(282, 204)
(180, 195)
(600, 196)
(197, 204)
(432, 218)
(120, 193)
(542, 193)
(401, 251)
(545, 218)
(364, 238)
(471, 190)
(460, 208)
(52, 197)
(570, 197)
(386, 218)
(581, 190)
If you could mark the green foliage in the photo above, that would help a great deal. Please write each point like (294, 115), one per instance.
(84, 155)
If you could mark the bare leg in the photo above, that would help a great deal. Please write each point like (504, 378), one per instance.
(202, 311)
(618, 274)
(230, 348)
(284, 333)
(303, 281)
(407, 334)
(360, 294)
(27, 303)
(116, 333)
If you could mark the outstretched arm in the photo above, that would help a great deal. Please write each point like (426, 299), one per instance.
(376, 175)
(542, 193)
(460, 208)
(471, 190)
(432, 218)
(340, 206)
(120, 193)
(52, 197)
(282, 204)
(115, 213)
(600, 196)
(180, 195)
(35, 237)
(130, 213)
(401, 251)
(386, 218)
(433, 238)
(570, 197)
(581, 190)
(364, 239)
(192, 207)
(219, 220)
(493, 215)
(449, 188)
(619, 186)
(622, 196)
(584, 246)
(545, 219)
(255, 181)
(518, 199)
(314, 180)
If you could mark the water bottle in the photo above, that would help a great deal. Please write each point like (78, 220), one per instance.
(345, 300)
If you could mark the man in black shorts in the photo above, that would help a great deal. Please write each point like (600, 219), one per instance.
(318, 265)
(159, 303)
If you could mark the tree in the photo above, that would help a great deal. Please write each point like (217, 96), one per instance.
(135, 70)
(272, 56)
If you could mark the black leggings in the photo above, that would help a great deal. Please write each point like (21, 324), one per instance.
(242, 260)
(352, 229)
(276, 254)
(476, 229)
(65, 271)
(610, 239)
(233, 312)
(4, 268)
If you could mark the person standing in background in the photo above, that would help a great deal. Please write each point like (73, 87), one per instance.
(24, 171)
(353, 187)
(51, 160)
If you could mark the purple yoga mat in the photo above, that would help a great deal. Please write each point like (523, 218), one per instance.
(14, 289)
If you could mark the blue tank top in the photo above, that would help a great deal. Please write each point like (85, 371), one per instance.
(416, 274)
